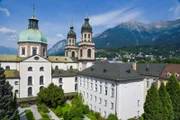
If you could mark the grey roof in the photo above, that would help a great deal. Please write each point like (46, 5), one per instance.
(113, 71)
(64, 73)
(150, 69)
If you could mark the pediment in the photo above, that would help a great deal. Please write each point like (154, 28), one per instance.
(35, 58)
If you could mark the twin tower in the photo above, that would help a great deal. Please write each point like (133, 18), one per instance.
(85, 51)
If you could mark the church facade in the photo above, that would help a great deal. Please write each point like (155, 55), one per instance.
(32, 69)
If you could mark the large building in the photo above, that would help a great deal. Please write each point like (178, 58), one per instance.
(32, 69)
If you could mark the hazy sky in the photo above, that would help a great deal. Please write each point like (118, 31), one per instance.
(55, 16)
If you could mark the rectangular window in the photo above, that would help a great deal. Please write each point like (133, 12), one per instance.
(112, 92)
(23, 51)
(105, 114)
(100, 100)
(112, 105)
(105, 103)
(91, 86)
(86, 95)
(100, 89)
(91, 97)
(147, 84)
(95, 98)
(95, 87)
(87, 85)
(138, 103)
(105, 92)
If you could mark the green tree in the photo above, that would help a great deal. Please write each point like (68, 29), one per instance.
(112, 117)
(8, 104)
(58, 111)
(173, 89)
(152, 106)
(52, 96)
(167, 111)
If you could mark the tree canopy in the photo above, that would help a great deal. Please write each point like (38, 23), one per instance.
(8, 104)
(173, 88)
(52, 96)
(152, 106)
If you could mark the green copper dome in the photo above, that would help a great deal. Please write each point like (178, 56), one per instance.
(32, 35)
(86, 27)
(71, 33)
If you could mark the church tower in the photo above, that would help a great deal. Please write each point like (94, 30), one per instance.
(32, 41)
(86, 49)
(71, 49)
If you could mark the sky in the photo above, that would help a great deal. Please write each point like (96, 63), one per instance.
(56, 16)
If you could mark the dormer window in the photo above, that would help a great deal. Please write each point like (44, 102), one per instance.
(29, 68)
(168, 74)
(176, 74)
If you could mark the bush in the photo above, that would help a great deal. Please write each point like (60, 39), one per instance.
(97, 115)
(43, 108)
(65, 116)
(141, 118)
(85, 109)
(112, 117)
(29, 115)
(24, 105)
(58, 111)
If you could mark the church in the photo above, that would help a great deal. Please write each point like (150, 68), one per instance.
(32, 69)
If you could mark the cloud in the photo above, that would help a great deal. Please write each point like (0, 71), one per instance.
(5, 10)
(13, 38)
(112, 18)
(175, 11)
(6, 30)
(54, 40)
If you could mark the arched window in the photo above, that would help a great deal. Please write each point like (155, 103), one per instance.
(69, 40)
(29, 80)
(73, 54)
(71, 67)
(88, 35)
(89, 53)
(56, 67)
(30, 91)
(41, 80)
(16, 91)
(84, 35)
(60, 80)
(41, 69)
(7, 67)
(41, 88)
(60, 86)
(76, 87)
(66, 53)
(29, 68)
(81, 53)
(75, 79)
(73, 41)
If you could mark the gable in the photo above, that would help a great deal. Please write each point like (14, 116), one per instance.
(35, 58)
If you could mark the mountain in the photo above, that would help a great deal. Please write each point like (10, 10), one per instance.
(7, 50)
(58, 48)
(133, 33)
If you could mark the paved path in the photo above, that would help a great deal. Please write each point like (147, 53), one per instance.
(52, 115)
(33, 108)
(85, 118)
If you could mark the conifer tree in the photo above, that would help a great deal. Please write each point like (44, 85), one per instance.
(167, 111)
(7, 109)
(173, 88)
(152, 106)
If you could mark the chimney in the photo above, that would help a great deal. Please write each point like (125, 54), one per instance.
(134, 66)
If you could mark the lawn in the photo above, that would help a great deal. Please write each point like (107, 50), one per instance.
(90, 116)
(64, 108)
(29, 115)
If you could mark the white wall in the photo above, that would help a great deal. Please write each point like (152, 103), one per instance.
(13, 65)
(68, 83)
(129, 93)
(35, 73)
(65, 66)
(96, 105)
